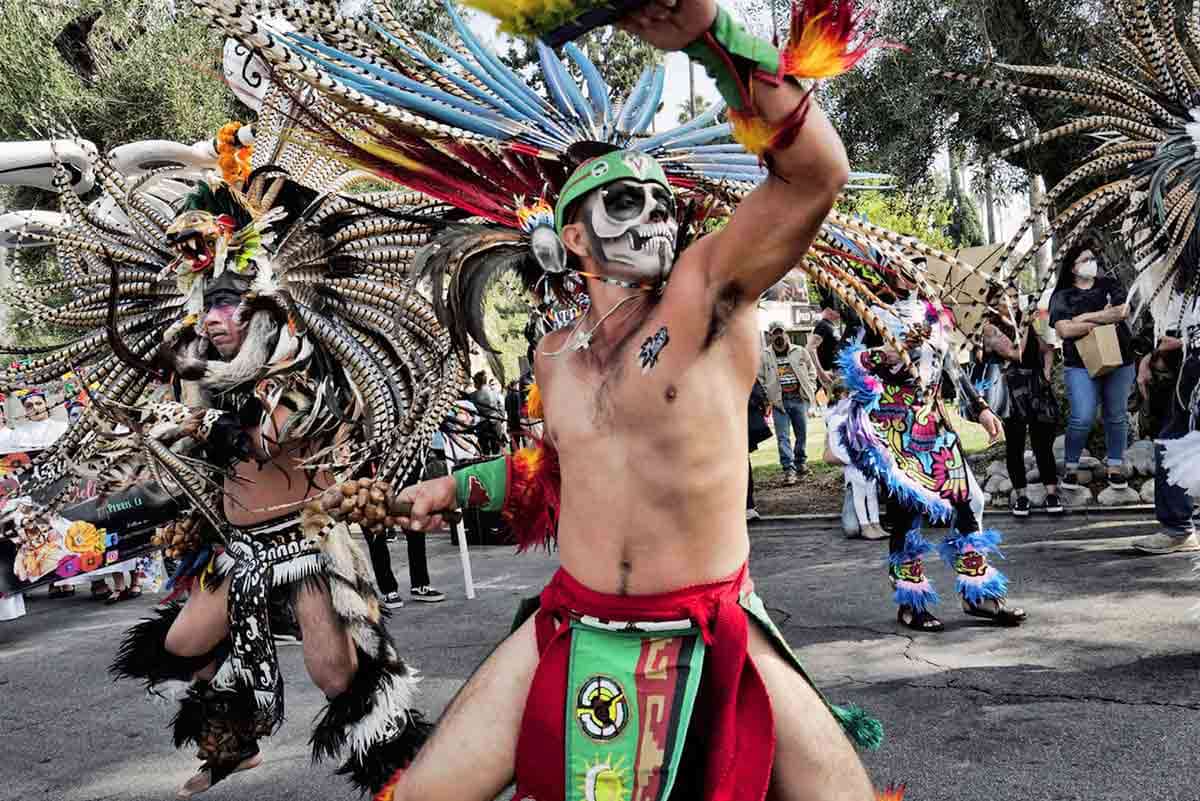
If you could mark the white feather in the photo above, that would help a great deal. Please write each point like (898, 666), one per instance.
(1181, 459)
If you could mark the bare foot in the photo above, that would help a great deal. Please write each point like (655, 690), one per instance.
(202, 781)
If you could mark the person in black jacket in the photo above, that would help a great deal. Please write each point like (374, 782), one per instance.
(758, 432)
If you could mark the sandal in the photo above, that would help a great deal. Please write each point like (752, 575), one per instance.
(203, 781)
(124, 595)
(1002, 614)
(60, 592)
(101, 595)
(918, 621)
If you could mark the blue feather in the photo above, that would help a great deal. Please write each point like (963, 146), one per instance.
(701, 136)
(702, 120)
(502, 106)
(393, 78)
(570, 99)
(598, 90)
(417, 103)
(651, 103)
(489, 62)
(481, 75)
(633, 102)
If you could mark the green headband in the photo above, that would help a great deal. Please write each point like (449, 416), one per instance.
(604, 170)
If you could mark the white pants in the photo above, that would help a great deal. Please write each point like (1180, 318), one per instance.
(866, 495)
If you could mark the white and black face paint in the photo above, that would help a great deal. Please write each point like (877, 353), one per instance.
(634, 225)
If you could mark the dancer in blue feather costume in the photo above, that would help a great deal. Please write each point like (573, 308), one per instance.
(895, 429)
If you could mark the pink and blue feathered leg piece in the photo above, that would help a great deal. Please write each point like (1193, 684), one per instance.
(976, 578)
(906, 568)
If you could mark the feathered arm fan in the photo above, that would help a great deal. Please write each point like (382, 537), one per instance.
(462, 265)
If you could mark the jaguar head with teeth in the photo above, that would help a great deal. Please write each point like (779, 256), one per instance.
(618, 211)
(195, 235)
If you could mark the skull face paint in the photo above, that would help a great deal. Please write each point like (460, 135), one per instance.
(634, 225)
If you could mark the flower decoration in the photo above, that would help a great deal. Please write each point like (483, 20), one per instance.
(233, 158)
(68, 566)
(83, 537)
(91, 561)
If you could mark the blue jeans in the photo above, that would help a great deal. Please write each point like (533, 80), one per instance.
(1084, 394)
(1172, 504)
(793, 415)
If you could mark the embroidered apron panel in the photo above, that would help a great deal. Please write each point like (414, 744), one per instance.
(631, 689)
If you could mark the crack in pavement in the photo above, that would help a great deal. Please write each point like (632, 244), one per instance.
(906, 653)
(956, 685)
(1064, 697)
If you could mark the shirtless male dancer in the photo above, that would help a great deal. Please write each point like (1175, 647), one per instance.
(652, 455)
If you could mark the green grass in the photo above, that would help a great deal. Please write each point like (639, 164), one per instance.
(765, 460)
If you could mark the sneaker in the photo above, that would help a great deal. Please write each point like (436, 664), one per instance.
(752, 514)
(1163, 543)
(873, 531)
(393, 601)
(1116, 479)
(427, 595)
(1021, 507)
(1053, 505)
(803, 470)
(790, 477)
(1070, 480)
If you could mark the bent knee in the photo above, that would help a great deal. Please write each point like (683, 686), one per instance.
(332, 676)
(185, 645)
(334, 685)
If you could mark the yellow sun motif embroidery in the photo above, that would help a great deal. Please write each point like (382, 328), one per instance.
(606, 781)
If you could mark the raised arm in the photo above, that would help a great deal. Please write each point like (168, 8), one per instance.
(775, 225)
(773, 117)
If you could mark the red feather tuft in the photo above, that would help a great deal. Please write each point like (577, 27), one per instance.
(826, 39)
(388, 791)
(893, 792)
(533, 498)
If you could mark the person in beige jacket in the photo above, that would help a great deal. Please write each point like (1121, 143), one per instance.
(789, 377)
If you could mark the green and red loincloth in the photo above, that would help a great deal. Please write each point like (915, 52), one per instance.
(631, 688)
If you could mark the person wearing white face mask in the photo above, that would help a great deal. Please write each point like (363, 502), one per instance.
(1084, 300)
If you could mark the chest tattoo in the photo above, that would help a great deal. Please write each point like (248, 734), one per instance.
(652, 347)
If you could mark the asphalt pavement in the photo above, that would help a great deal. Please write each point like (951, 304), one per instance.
(1095, 698)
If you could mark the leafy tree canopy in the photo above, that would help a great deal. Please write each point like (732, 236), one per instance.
(895, 112)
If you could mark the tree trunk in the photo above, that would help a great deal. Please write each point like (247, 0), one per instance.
(956, 184)
(1043, 261)
(990, 198)
(5, 312)
(692, 89)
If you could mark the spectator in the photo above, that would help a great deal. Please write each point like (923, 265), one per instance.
(1167, 375)
(1017, 369)
(40, 431)
(786, 374)
(861, 492)
(514, 400)
(491, 411)
(823, 344)
(123, 593)
(759, 432)
(1082, 301)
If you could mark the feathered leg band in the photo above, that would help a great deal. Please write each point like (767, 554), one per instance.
(906, 568)
(976, 579)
